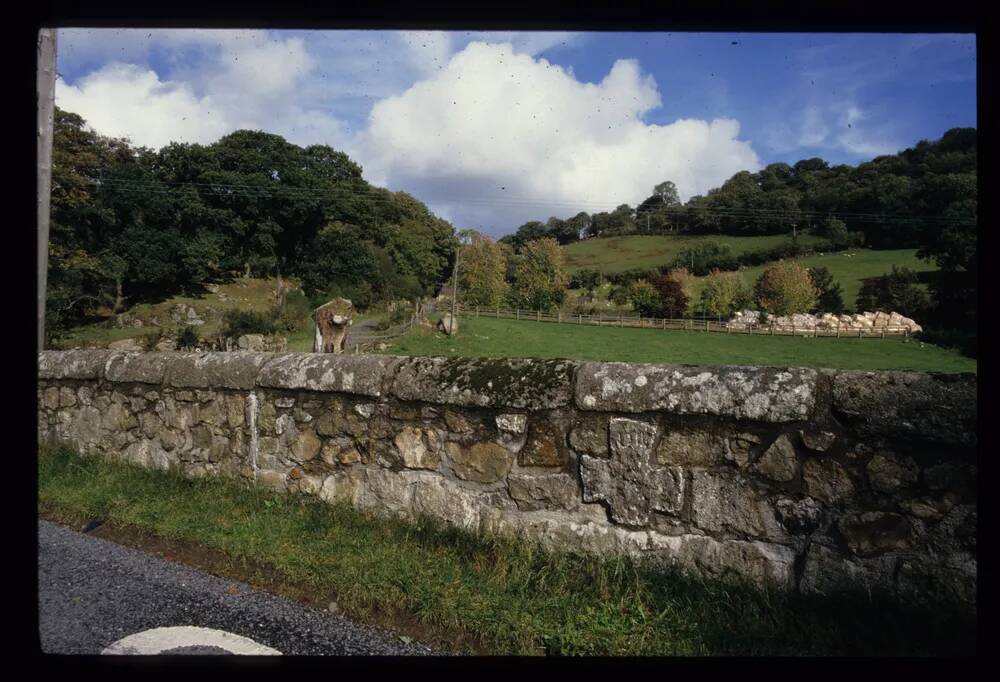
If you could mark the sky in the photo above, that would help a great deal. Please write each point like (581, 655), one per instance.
(494, 129)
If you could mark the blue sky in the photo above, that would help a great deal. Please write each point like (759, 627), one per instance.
(492, 129)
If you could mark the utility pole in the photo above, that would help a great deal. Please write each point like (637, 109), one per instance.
(454, 287)
(46, 110)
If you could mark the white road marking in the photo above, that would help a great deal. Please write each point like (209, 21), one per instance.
(159, 640)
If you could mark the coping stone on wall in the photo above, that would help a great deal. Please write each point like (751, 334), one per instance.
(73, 364)
(926, 405)
(486, 382)
(141, 368)
(359, 374)
(767, 394)
(232, 369)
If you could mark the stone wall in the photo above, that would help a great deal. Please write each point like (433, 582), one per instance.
(820, 481)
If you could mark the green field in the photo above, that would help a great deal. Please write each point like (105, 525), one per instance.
(616, 254)
(484, 337)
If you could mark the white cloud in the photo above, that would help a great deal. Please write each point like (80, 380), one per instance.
(500, 137)
(123, 100)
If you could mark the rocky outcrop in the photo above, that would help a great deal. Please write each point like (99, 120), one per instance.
(819, 481)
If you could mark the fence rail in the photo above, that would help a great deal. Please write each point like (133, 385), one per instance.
(365, 342)
(704, 324)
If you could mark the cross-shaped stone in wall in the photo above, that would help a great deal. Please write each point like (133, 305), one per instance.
(630, 482)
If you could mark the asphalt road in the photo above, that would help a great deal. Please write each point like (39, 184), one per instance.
(92, 592)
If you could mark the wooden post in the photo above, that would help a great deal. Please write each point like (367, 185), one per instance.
(45, 92)
(477, 311)
(538, 315)
(581, 319)
(517, 313)
(559, 316)
(621, 320)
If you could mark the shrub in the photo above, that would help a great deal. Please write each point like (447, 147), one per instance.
(896, 292)
(829, 296)
(645, 299)
(673, 299)
(188, 338)
(619, 294)
(725, 293)
(785, 288)
(295, 312)
(702, 258)
(236, 323)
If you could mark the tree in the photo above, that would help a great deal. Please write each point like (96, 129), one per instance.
(673, 299)
(725, 293)
(645, 299)
(666, 192)
(894, 292)
(482, 273)
(785, 288)
(835, 230)
(539, 275)
(829, 296)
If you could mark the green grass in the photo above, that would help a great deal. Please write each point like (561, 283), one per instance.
(507, 596)
(484, 337)
(615, 254)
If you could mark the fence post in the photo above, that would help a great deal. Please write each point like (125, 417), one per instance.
(883, 332)
(581, 319)
(621, 320)
(517, 313)
(559, 316)
(538, 315)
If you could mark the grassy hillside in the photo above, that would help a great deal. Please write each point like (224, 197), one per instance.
(243, 294)
(486, 337)
(615, 254)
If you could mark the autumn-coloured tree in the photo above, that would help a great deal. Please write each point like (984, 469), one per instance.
(645, 299)
(673, 299)
(538, 276)
(482, 272)
(785, 288)
(725, 293)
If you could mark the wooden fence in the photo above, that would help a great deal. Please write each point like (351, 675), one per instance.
(701, 325)
(365, 342)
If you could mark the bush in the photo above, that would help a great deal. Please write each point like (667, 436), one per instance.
(784, 289)
(725, 293)
(188, 338)
(673, 300)
(830, 298)
(296, 311)
(896, 292)
(645, 299)
(236, 323)
(619, 294)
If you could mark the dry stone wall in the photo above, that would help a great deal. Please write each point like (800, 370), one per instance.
(819, 481)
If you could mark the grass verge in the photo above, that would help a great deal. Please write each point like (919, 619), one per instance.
(465, 592)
